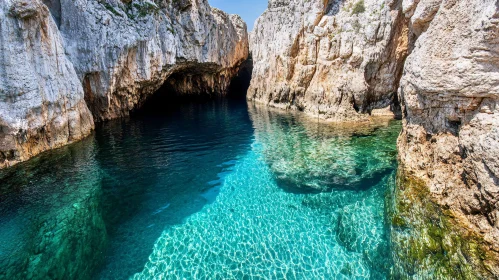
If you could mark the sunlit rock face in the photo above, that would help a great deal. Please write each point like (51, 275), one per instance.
(449, 144)
(338, 60)
(41, 99)
(67, 63)
(124, 52)
(308, 156)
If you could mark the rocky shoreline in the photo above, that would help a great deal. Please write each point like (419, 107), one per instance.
(433, 62)
(69, 63)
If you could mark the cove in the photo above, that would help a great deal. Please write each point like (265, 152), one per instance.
(210, 190)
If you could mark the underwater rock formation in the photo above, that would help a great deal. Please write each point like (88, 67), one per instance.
(307, 156)
(52, 225)
(343, 60)
(105, 57)
(338, 60)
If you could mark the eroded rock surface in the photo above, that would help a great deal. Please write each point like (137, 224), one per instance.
(66, 63)
(449, 92)
(123, 52)
(41, 98)
(343, 60)
(338, 60)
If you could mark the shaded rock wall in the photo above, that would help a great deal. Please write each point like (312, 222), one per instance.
(334, 59)
(99, 59)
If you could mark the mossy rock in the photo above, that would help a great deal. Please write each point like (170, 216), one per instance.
(427, 241)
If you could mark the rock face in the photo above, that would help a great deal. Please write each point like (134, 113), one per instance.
(105, 57)
(334, 59)
(41, 99)
(123, 52)
(450, 92)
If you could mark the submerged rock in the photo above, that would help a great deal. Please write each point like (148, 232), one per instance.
(310, 156)
(52, 225)
(342, 60)
(429, 241)
(69, 62)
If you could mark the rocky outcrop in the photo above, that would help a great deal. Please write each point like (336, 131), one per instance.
(41, 99)
(338, 60)
(124, 52)
(449, 143)
(66, 63)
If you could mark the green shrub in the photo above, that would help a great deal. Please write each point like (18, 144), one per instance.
(358, 8)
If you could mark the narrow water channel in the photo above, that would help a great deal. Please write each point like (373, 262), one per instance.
(211, 190)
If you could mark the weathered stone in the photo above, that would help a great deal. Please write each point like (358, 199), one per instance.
(449, 92)
(338, 60)
(41, 98)
(123, 53)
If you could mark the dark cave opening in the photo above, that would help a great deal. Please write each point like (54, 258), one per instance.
(195, 85)
(241, 82)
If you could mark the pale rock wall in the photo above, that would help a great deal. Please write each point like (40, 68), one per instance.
(124, 52)
(450, 94)
(41, 99)
(338, 60)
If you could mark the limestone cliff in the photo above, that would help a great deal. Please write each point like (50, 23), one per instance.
(63, 59)
(123, 52)
(449, 143)
(41, 99)
(334, 59)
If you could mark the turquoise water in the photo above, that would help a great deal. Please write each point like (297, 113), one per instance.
(217, 190)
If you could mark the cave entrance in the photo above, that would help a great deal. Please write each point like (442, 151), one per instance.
(198, 84)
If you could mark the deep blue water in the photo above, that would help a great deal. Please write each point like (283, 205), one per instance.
(213, 190)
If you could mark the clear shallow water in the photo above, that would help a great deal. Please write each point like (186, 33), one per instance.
(212, 190)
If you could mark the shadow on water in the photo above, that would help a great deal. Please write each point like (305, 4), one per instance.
(161, 166)
(51, 224)
(94, 209)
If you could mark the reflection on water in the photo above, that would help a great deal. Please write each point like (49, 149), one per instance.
(204, 191)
